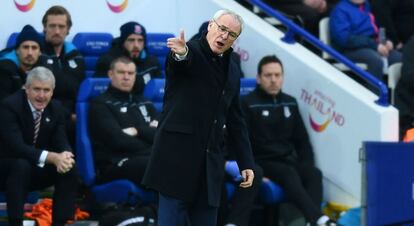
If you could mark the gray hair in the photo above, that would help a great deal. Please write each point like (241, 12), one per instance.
(41, 74)
(235, 16)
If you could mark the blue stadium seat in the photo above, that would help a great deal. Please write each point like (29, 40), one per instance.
(154, 91)
(157, 45)
(92, 45)
(119, 191)
(12, 39)
(247, 85)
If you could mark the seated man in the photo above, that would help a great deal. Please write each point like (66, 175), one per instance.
(35, 152)
(396, 17)
(310, 11)
(280, 142)
(355, 34)
(132, 44)
(65, 61)
(404, 92)
(15, 63)
(122, 126)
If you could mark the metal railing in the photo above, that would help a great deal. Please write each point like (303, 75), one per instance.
(293, 29)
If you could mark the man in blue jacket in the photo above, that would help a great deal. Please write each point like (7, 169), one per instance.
(354, 33)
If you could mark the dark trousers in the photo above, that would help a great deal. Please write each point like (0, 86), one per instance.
(301, 183)
(19, 176)
(132, 169)
(242, 202)
(174, 212)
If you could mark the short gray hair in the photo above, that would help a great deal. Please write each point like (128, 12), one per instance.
(235, 16)
(41, 74)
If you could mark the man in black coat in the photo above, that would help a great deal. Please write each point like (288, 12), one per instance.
(201, 97)
(404, 92)
(132, 44)
(35, 152)
(280, 142)
(396, 17)
(65, 61)
(122, 126)
(15, 63)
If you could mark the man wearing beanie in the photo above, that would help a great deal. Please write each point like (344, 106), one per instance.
(132, 44)
(15, 63)
(65, 61)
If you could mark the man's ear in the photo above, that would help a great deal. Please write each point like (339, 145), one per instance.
(110, 73)
(258, 79)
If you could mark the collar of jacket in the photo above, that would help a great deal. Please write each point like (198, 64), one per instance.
(119, 94)
(267, 96)
(68, 50)
(207, 49)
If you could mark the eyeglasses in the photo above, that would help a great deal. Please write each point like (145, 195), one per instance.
(224, 30)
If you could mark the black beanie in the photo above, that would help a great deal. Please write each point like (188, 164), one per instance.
(132, 28)
(28, 33)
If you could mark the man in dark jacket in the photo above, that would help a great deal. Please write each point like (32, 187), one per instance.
(404, 92)
(280, 142)
(122, 126)
(63, 58)
(15, 63)
(132, 44)
(201, 96)
(35, 152)
(65, 61)
(396, 17)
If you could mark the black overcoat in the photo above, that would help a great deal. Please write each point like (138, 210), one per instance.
(201, 97)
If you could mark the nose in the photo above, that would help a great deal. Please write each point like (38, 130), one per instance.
(126, 76)
(41, 94)
(136, 43)
(225, 35)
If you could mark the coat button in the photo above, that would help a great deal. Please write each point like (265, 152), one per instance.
(208, 150)
(224, 92)
(215, 121)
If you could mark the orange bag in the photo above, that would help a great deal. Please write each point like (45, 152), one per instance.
(42, 213)
(409, 135)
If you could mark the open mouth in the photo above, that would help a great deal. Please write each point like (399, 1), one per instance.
(220, 43)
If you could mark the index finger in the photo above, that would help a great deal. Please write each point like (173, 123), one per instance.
(182, 38)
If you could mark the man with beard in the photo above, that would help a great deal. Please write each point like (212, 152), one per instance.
(132, 44)
(15, 63)
(64, 60)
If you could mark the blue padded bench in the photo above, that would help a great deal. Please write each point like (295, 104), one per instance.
(154, 92)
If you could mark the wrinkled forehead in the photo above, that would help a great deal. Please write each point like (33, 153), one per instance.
(230, 22)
